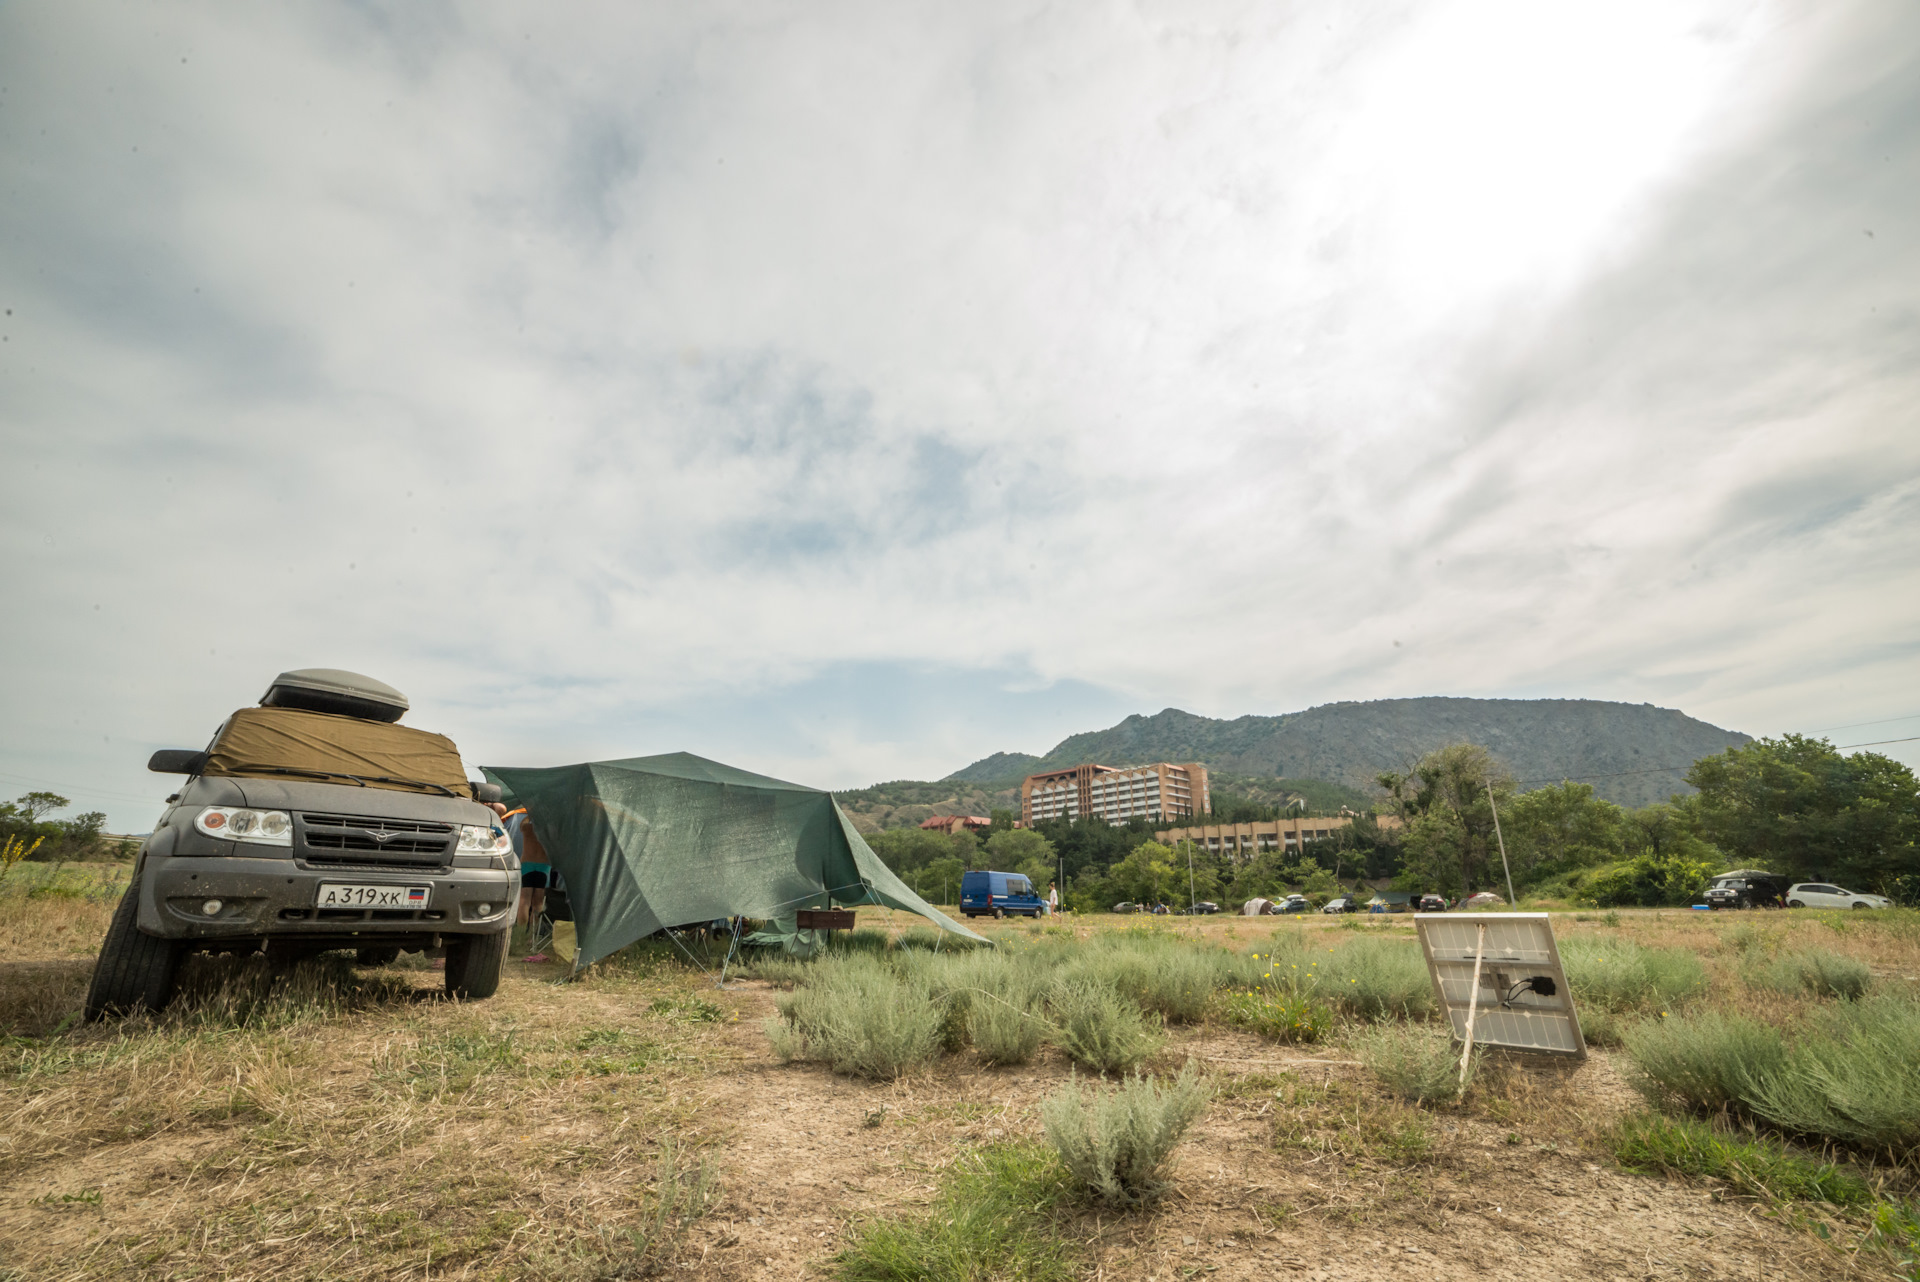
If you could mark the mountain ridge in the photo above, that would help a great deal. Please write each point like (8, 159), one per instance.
(1632, 753)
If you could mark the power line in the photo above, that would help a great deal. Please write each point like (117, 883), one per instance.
(1855, 725)
(1877, 742)
(83, 792)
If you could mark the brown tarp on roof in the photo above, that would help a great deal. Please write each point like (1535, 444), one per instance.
(265, 743)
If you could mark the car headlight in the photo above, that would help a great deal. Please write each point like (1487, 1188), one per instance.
(237, 823)
(475, 840)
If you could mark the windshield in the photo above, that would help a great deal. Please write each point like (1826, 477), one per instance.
(288, 743)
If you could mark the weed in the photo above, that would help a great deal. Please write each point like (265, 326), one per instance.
(1621, 976)
(1816, 972)
(1418, 1064)
(1708, 1061)
(450, 1063)
(1278, 1016)
(1338, 1118)
(694, 1009)
(1611, 919)
(1753, 1164)
(1116, 1142)
(1853, 1077)
(1004, 1028)
(1100, 1029)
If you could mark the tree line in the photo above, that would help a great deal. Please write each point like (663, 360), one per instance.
(1794, 806)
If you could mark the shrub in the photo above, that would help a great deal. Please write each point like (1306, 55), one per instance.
(1278, 1014)
(1116, 1142)
(1003, 1026)
(1707, 1062)
(1816, 972)
(1168, 978)
(1417, 1064)
(1377, 979)
(1854, 1077)
(863, 1019)
(1619, 976)
(1101, 1029)
(993, 1219)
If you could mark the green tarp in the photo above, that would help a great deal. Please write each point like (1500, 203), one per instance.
(675, 840)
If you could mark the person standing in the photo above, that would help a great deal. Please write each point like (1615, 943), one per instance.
(535, 871)
(1053, 899)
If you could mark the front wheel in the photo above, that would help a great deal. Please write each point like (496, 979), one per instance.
(473, 964)
(1795, 903)
(135, 971)
(1863, 905)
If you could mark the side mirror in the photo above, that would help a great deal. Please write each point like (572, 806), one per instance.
(177, 761)
(486, 792)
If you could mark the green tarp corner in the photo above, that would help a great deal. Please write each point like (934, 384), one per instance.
(677, 839)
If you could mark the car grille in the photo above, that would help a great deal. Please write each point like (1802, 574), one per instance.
(349, 841)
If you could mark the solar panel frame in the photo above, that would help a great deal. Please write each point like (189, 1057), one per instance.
(1519, 946)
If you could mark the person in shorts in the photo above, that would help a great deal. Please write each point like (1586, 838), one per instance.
(535, 871)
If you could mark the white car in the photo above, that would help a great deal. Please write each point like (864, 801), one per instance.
(1820, 894)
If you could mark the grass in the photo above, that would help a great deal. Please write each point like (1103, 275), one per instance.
(1376, 979)
(995, 1218)
(1116, 1142)
(863, 1019)
(1752, 1163)
(1617, 981)
(1339, 1118)
(1101, 1030)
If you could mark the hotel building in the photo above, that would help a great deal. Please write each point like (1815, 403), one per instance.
(1159, 791)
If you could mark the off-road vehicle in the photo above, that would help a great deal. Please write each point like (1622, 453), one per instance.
(313, 823)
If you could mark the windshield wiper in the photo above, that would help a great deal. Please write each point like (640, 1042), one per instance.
(359, 779)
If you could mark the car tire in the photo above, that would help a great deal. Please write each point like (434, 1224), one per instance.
(1861, 905)
(135, 971)
(474, 963)
(375, 956)
(998, 913)
(1795, 903)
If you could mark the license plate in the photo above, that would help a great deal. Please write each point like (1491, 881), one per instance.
(336, 895)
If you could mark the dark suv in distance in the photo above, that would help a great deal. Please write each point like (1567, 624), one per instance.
(1746, 888)
(313, 823)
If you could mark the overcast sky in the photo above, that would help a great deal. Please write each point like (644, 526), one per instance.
(849, 391)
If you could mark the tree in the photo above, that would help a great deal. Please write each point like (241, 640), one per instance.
(36, 806)
(1146, 875)
(1010, 849)
(1557, 829)
(1450, 841)
(1798, 807)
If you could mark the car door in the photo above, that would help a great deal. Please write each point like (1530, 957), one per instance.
(1819, 895)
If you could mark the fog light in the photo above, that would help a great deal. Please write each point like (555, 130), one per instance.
(211, 907)
(483, 909)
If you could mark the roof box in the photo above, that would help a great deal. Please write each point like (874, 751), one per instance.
(344, 694)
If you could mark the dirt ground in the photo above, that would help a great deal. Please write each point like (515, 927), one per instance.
(410, 1137)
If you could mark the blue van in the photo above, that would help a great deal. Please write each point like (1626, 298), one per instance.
(995, 894)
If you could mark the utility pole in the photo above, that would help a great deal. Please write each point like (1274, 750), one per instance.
(1511, 901)
(1190, 896)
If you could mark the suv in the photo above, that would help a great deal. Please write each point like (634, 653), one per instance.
(314, 823)
(1745, 888)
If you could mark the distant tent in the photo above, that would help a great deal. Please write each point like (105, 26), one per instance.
(1258, 908)
(676, 839)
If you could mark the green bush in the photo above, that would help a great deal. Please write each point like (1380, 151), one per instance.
(1647, 881)
(994, 1219)
(1099, 1028)
(1003, 1025)
(1707, 1062)
(1116, 1142)
(1167, 977)
(1654, 1145)
(1278, 1014)
(1620, 976)
(863, 1018)
(1817, 972)
(1417, 1064)
(1377, 979)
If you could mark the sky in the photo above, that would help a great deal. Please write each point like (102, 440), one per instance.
(849, 391)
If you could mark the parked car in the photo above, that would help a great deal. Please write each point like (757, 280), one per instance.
(1746, 888)
(1391, 901)
(1293, 904)
(1432, 904)
(310, 824)
(1342, 904)
(1820, 894)
(1203, 908)
(1484, 899)
(1127, 906)
(995, 894)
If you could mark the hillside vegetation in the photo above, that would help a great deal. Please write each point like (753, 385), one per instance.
(1633, 754)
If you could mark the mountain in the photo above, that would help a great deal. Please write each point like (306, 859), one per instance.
(1632, 753)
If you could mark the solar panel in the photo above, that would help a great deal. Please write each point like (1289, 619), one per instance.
(1524, 1001)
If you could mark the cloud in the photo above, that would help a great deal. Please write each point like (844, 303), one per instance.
(606, 375)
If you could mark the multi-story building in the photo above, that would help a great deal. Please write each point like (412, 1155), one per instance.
(1243, 841)
(1160, 791)
(957, 823)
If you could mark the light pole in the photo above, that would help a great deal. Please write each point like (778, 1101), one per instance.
(1503, 845)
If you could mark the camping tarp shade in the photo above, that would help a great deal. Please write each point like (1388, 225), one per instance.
(676, 839)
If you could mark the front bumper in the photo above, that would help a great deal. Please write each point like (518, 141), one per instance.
(277, 898)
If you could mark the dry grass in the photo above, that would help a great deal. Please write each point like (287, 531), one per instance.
(330, 1123)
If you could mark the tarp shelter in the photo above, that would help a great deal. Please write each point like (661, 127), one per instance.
(654, 842)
